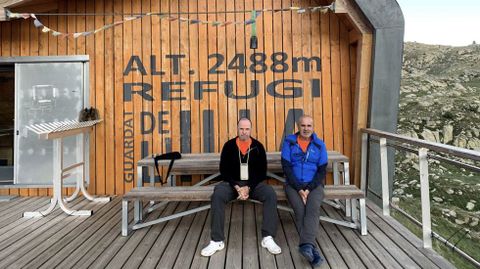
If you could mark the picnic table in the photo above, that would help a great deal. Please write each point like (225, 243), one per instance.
(208, 164)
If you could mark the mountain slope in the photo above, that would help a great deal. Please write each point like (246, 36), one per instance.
(440, 94)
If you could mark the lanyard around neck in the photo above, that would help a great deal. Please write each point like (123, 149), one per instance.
(240, 157)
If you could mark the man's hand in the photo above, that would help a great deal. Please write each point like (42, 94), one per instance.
(243, 192)
(304, 195)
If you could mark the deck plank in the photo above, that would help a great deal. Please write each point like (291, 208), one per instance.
(397, 253)
(406, 246)
(13, 202)
(376, 249)
(349, 255)
(9, 221)
(7, 207)
(190, 246)
(134, 241)
(24, 245)
(10, 214)
(234, 243)
(136, 258)
(167, 261)
(352, 237)
(62, 241)
(72, 245)
(30, 230)
(155, 253)
(410, 237)
(250, 245)
(96, 244)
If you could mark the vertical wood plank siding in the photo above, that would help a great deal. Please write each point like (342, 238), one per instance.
(198, 98)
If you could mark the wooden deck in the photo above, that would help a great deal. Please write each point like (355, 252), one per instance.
(65, 241)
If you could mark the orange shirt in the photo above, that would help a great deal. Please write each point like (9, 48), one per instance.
(303, 143)
(244, 145)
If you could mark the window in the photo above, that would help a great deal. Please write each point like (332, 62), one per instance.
(41, 90)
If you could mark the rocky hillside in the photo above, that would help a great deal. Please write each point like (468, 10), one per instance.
(440, 94)
(440, 102)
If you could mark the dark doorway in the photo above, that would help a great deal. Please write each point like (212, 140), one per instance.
(7, 116)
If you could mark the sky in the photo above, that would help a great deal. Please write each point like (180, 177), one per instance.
(442, 22)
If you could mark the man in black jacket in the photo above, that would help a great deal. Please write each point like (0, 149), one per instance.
(243, 167)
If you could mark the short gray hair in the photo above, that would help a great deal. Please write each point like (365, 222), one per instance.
(244, 118)
(303, 117)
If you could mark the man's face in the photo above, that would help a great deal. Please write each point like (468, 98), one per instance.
(244, 129)
(306, 127)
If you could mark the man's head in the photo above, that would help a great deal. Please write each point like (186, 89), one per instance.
(244, 128)
(305, 126)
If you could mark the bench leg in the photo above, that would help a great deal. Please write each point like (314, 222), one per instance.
(354, 211)
(346, 181)
(124, 217)
(137, 211)
(363, 217)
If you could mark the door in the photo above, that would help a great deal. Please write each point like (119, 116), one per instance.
(46, 92)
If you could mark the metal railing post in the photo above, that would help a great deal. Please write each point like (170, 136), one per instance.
(384, 170)
(425, 198)
(363, 172)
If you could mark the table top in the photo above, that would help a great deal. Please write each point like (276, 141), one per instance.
(207, 163)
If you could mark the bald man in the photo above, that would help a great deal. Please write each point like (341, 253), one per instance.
(304, 162)
(243, 168)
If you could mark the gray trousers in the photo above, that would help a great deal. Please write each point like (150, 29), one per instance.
(224, 193)
(306, 216)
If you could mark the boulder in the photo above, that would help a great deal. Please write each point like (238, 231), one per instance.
(460, 142)
(447, 134)
(429, 135)
(474, 143)
(452, 213)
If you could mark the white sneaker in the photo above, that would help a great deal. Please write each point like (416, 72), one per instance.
(212, 248)
(270, 245)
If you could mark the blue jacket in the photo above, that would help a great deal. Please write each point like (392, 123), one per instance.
(304, 170)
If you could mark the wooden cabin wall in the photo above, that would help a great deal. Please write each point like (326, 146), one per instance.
(190, 121)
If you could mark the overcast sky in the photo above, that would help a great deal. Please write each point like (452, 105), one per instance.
(443, 22)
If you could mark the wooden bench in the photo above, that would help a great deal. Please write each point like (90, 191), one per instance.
(193, 164)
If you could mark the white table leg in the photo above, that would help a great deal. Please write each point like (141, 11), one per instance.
(81, 180)
(75, 193)
(57, 186)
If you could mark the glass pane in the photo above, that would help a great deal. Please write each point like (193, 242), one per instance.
(45, 92)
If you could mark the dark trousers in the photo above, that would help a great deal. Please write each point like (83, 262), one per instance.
(224, 193)
(306, 216)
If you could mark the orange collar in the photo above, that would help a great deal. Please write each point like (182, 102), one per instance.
(303, 143)
(243, 146)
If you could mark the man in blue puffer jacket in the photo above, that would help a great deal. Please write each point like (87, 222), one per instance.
(304, 161)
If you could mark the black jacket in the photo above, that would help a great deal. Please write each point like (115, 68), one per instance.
(230, 164)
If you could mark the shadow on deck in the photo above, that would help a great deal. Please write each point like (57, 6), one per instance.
(65, 241)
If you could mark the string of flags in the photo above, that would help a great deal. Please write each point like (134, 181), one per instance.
(251, 20)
